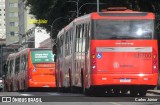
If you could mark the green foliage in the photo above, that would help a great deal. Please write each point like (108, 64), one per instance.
(53, 9)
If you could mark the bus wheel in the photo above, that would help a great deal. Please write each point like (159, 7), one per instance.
(70, 81)
(142, 92)
(133, 92)
(116, 92)
(87, 92)
(124, 91)
(5, 88)
(11, 88)
(17, 87)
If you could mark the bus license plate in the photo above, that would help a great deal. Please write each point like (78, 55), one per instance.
(125, 80)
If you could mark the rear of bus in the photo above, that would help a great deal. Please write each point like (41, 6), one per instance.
(41, 67)
(124, 51)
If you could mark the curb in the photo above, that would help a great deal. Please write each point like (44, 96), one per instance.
(154, 92)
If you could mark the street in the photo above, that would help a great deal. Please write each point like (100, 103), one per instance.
(68, 98)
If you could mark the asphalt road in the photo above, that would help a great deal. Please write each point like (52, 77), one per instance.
(55, 98)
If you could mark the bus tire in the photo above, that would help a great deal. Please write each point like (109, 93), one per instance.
(82, 83)
(87, 92)
(142, 92)
(133, 92)
(70, 81)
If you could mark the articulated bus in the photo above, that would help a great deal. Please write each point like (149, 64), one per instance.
(31, 68)
(108, 52)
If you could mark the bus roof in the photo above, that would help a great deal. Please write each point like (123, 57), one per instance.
(122, 15)
(112, 15)
(60, 33)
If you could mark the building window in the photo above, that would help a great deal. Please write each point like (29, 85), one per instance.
(13, 5)
(2, 5)
(13, 14)
(12, 33)
(12, 23)
(16, 24)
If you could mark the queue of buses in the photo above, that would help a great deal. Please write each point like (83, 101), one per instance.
(30, 68)
(106, 52)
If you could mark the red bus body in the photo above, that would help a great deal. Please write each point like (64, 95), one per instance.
(113, 51)
(29, 70)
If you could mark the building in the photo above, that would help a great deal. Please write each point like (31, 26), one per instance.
(24, 18)
(48, 43)
(12, 21)
(17, 17)
(34, 37)
(2, 20)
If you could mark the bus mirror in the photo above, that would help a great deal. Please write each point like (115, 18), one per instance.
(54, 57)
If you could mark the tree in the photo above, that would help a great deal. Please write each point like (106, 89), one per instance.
(52, 9)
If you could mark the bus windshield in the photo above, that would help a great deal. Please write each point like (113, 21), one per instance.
(42, 56)
(123, 29)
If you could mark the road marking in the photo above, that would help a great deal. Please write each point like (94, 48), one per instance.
(115, 103)
(26, 94)
(151, 94)
(54, 94)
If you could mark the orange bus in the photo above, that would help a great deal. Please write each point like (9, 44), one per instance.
(30, 68)
(108, 52)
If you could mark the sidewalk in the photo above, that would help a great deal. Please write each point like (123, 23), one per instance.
(154, 91)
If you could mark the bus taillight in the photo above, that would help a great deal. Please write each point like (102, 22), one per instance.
(30, 74)
(155, 63)
(93, 62)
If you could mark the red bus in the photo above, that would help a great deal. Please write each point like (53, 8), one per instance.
(29, 69)
(108, 52)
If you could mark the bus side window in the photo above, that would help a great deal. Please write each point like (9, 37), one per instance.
(71, 41)
(8, 68)
(61, 45)
(23, 62)
(17, 68)
(84, 38)
(5, 69)
(78, 38)
(87, 36)
(57, 48)
(11, 67)
(55, 56)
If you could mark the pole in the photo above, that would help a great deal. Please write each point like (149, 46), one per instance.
(97, 5)
(77, 4)
(54, 22)
(1, 61)
(1, 56)
(77, 7)
(25, 41)
(51, 33)
(86, 4)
